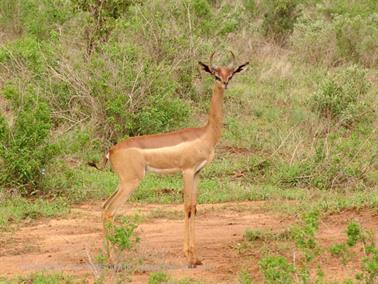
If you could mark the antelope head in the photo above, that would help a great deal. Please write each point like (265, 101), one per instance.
(223, 75)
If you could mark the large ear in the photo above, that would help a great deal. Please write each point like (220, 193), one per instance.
(241, 68)
(205, 67)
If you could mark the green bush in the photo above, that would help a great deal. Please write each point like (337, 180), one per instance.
(356, 39)
(101, 19)
(338, 249)
(369, 265)
(244, 277)
(40, 18)
(201, 8)
(158, 277)
(276, 269)
(353, 233)
(34, 17)
(209, 21)
(314, 40)
(305, 235)
(122, 236)
(25, 145)
(160, 114)
(339, 96)
(144, 102)
(26, 51)
(343, 38)
(279, 19)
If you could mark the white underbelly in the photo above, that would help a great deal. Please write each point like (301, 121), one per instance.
(174, 170)
(162, 171)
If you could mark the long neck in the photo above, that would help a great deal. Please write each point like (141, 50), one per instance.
(215, 122)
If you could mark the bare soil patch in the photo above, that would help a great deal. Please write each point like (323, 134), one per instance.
(64, 244)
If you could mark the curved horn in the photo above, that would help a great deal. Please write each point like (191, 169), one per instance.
(211, 58)
(233, 58)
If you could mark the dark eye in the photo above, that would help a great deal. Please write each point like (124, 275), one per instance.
(217, 78)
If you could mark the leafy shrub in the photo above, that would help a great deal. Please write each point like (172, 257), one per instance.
(305, 235)
(339, 96)
(244, 277)
(279, 19)
(340, 250)
(229, 19)
(353, 233)
(101, 19)
(123, 236)
(369, 265)
(209, 21)
(25, 146)
(40, 18)
(276, 269)
(158, 277)
(357, 39)
(34, 17)
(343, 38)
(314, 40)
(26, 51)
(201, 8)
(160, 114)
(369, 268)
(145, 103)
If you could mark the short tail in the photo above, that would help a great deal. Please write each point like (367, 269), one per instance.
(102, 165)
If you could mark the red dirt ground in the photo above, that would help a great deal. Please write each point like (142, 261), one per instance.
(67, 244)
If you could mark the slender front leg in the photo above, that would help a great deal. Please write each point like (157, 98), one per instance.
(188, 177)
(192, 243)
(190, 201)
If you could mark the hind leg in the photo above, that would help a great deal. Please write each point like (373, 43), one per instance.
(130, 168)
(125, 189)
(119, 198)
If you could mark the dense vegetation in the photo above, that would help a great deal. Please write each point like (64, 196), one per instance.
(78, 76)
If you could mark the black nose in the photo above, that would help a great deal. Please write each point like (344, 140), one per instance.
(225, 85)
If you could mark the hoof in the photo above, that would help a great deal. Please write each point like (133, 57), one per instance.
(194, 263)
(198, 262)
